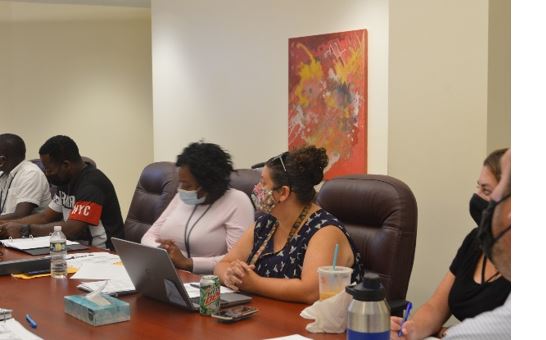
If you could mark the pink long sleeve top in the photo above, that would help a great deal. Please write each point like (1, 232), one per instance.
(210, 230)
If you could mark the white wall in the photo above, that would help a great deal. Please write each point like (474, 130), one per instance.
(499, 81)
(220, 71)
(83, 71)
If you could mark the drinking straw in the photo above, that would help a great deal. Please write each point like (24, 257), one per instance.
(336, 250)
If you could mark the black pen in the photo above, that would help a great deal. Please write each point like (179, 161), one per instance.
(195, 285)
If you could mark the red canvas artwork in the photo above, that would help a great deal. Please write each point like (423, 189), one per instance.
(328, 98)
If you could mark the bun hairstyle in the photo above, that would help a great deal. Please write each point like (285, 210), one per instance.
(300, 169)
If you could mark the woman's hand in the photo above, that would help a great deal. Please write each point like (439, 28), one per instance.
(408, 329)
(237, 273)
(179, 260)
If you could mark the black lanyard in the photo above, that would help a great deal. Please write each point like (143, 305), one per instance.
(188, 233)
(5, 199)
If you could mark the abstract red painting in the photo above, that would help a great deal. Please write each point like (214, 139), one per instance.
(328, 98)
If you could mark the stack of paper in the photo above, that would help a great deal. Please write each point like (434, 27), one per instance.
(5, 314)
(113, 287)
(77, 260)
(12, 329)
(30, 243)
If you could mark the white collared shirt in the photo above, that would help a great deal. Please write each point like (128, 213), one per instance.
(26, 183)
(492, 325)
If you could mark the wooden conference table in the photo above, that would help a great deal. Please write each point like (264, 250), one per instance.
(42, 298)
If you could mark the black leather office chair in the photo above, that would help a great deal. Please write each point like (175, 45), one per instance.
(155, 189)
(380, 214)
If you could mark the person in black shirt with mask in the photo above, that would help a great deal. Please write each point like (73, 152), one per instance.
(85, 205)
(473, 285)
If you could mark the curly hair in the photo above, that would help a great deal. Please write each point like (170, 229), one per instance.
(493, 162)
(210, 165)
(300, 169)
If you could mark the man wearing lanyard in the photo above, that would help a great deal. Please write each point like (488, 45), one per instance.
(23, 186)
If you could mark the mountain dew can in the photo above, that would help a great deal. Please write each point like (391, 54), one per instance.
(209, 294)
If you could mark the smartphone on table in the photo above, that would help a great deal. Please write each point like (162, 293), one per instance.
(235, 313)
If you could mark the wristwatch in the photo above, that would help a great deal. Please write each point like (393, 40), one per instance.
(25, 230)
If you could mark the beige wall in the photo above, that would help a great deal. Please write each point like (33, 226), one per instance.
(222, 75)
(439, 122)
(83, 71)
(438, 88)
(499, 80)
(221, 72)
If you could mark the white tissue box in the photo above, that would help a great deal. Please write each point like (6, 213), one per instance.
(88, 311)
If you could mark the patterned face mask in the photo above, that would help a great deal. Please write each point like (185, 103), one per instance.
(263, 198)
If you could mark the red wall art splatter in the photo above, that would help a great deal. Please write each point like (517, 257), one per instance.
(328, 98)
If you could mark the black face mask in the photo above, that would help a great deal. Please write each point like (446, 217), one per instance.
(55, 180)
(485, 233)
(477, 206)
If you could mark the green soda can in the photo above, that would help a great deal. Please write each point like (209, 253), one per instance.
(209, 294)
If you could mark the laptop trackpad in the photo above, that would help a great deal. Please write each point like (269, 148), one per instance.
(173, 295)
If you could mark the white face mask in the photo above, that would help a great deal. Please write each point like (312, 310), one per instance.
(190, 197)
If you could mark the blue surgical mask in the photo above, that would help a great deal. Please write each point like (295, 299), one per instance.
(190, 197)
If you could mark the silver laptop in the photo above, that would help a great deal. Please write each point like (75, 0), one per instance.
(155, 276)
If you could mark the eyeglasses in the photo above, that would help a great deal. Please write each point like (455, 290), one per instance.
(280, 157)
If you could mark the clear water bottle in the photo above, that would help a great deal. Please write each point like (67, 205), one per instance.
(57, 251)
(369, 313)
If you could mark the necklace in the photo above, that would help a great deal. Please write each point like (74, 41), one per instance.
(293, 230)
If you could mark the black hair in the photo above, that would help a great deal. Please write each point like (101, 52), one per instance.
(210, 165)
(13, 145)
(300, 169)
(61, 148)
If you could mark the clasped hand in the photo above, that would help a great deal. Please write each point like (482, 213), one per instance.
(10, 229)
(238, 274)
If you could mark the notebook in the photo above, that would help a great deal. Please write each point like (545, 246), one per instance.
(154, 275)
(38, 245)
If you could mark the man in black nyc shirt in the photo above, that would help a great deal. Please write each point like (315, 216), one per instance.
(85, 205)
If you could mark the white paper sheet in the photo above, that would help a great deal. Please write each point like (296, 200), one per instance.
(112, 287)
(12, 329)
(31, 242)
(77, 260)
(290, 337)
(101, 271)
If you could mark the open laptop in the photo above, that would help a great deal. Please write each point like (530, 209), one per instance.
(155, 276)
